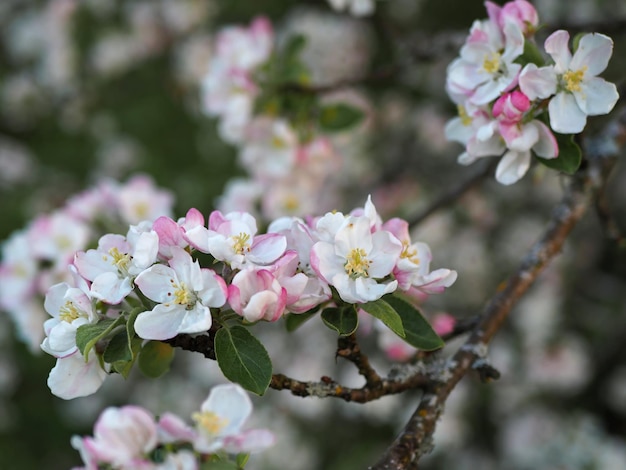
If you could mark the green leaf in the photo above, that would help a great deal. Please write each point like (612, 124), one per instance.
(242, 460)
(418, 332)
(339, 117)
(88, 335)
(293, 321)
(343, 320)
(570, 156)
(124, 367)
(243, 359)
(155, 358)
(293, 48)
(387, 314)
(531, 55)
(118, 348)
(220, 465)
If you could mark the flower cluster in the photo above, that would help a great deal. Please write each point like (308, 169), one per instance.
(502, 94)
(36, 257)
(130, 437)
(297, 266)
(289, 163)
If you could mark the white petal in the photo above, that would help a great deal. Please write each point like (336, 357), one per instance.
(565, 115)
(599, 96)
(230, 402)
(557, 45)
(546, 146)
(109, 288)
(594, 51)
(196, 320)
(512, 167)
(157, 282)
(72, 377)
(162, 322)
(538, 82)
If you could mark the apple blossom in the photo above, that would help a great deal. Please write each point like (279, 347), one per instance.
(303, 291)
(270, 148)
(139, 199)
(70, 308)
(183, 292)
(486, 64)
(171, 233)
(231, 238)
(520, 12)
(579, 92)
(220, 421)
(256, 294)
(122, 438)
(356, 260)
(413, 266)
(117, 260)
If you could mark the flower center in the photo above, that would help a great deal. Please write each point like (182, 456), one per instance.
(491, 63)
(291, 203)
(357, 264)
(183, 295)
(120, 260)
(466, 120)
(242, 243)
(410, 253)
(69, 312)
(278, 143)
(142, 210)
(209, 422)
(573, 78)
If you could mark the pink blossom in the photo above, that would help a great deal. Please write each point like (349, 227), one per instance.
(122, 438)
(412, 268)
(139, 199)
(117, 260)
(171, 233)
(486, 64)
(443, 323)
(520, 12)
(303, 291)
(257, 295)
(232, 238)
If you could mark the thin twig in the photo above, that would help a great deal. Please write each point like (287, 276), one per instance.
(453, 194)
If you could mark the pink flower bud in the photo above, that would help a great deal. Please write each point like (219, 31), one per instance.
(511, 106)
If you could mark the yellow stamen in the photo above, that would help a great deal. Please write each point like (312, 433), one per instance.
(141, 210)
(573, 78)
(357, 264)
(278, 143)
(69, 312)
(120, 260)
(409, 253)
(491, 64)
(182, 296)
(466, 120)
(209, 422)
(291, 203)
(241, 243)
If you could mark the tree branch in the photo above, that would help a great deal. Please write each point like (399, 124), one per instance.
(416, 438)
